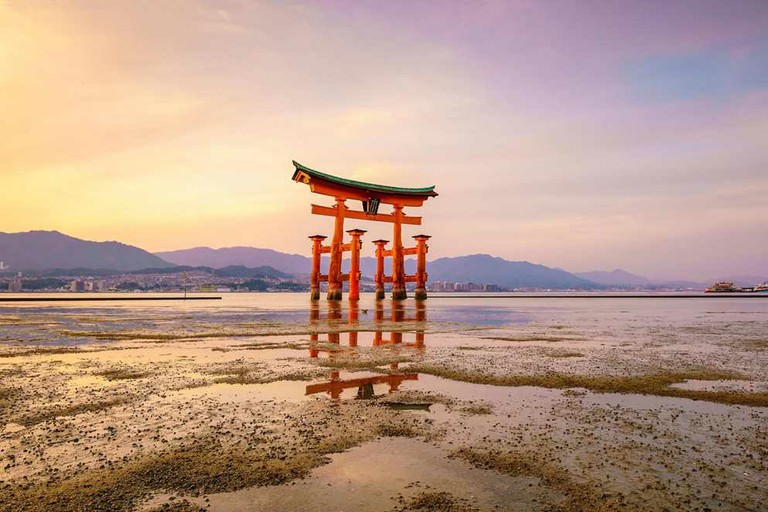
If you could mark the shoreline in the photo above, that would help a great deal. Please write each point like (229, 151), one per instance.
(100, 299)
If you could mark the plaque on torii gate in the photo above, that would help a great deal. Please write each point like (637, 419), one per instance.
(372, 196)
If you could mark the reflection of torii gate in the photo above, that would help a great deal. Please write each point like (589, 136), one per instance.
(371, 195)
(335, 332)
(364, 385)
(336, 385)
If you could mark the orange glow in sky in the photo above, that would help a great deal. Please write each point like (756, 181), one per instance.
(554, 136)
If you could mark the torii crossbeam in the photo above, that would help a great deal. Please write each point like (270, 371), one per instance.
(371, 196)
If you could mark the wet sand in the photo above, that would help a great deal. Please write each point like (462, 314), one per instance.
(261, 403)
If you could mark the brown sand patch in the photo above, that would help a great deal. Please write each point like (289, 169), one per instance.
(122, 374)
(551, 339)
(477, 408)
(563, 353)
(39, 351)
(434, 501)
(7, 396)
(178, 506)
(52, 413)
(272, 346)
(579, 496)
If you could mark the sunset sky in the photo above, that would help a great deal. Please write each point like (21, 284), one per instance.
(583, 135)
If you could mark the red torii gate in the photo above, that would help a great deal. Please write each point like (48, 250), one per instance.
(371, 195)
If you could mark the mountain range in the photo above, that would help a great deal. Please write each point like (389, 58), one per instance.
(247, 256)
(44, 251)
(477, 268)
(483, 268)
(616, 277)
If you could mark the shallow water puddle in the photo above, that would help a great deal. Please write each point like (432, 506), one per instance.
(371, 477)
(291, 391)
(348, 385)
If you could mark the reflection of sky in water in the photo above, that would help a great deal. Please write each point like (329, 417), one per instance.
(47, 323)
(479, 315)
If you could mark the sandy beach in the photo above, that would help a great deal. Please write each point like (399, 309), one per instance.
(259, 402)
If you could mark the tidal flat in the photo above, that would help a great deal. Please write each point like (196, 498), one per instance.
(262, 402)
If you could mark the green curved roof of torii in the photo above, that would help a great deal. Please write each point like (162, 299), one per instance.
(373, 187)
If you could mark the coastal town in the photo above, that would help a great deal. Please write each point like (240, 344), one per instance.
(192, 280)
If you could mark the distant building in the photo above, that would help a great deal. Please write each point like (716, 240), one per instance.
(467, 287)
(441, 286)
(77, 286)
(15, 285)
(93, 286)
(491, 288)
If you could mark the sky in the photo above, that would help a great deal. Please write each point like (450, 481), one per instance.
(579, 135)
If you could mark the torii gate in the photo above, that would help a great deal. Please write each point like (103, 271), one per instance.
(371, 195)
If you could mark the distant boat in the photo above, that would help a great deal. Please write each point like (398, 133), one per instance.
(758, 288)
(722, 287)
(729, 287)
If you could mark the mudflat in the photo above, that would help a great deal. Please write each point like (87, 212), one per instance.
(262, 402)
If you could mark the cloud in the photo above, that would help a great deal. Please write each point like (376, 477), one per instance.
(169, 125)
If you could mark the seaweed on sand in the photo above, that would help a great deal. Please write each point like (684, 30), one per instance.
(659, 384)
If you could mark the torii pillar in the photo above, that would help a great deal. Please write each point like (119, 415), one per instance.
(314, 277)
(421, 266)
(398, 261)
(354, 271)
(378, 279)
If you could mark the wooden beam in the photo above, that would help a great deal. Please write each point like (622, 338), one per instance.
(331, 189)
(354, 214)
(344, 247)
(407, 252)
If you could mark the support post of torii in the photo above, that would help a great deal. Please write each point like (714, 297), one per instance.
(334, 271)
(421, 266)
(378, 279)
(398, 261)
(354, 271)
(314, 277)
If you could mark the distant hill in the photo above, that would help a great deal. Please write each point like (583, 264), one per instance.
(42, 250)
(230, 271)
(246, 256)
(478, 268)
(623, 279)
(255, 257)
(483, 268)
(616, 277)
